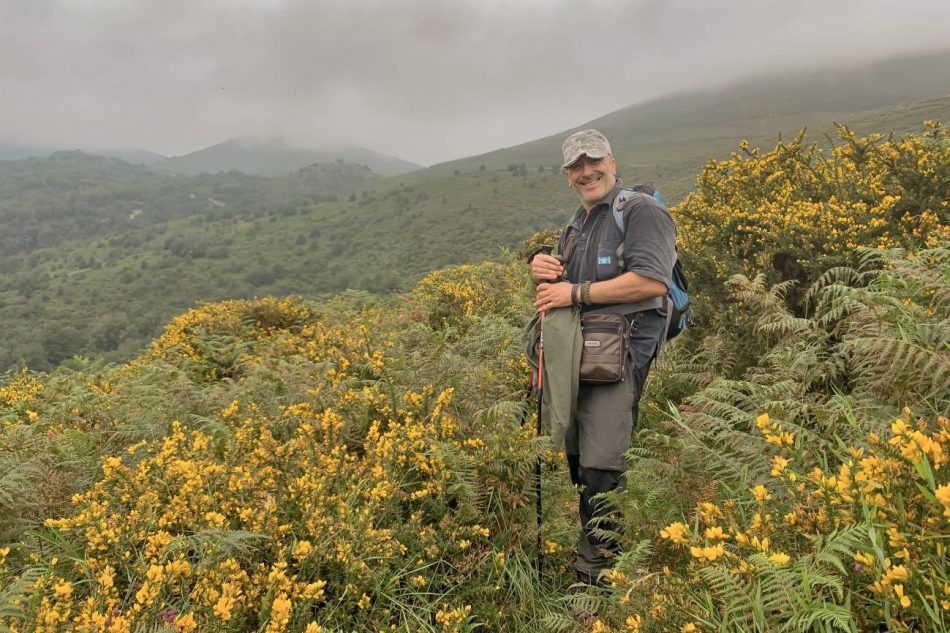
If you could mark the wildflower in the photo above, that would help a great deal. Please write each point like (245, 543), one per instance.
(676, 532)
(708, 553)
(313, 627)
(63, 590)
(632, 623)
(779, 558)
(228, 601)
(689, 628)
(451, 618)
(186, 623)
(897, 572)
(279, 613)
(778, 465)
(313, 590)
(715, 533)
(760, 493)
(178, 568)
(230, 410)
(943, 496)
(599, 627)
(899, 592)
(710, 512)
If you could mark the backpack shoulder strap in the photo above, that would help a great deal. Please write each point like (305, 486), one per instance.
(620, 201)
(629, 193)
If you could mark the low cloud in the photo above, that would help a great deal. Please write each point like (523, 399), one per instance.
(426, 80)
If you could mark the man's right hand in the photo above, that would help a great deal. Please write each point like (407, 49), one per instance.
(545, 268)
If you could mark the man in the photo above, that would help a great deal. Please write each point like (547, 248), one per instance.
(594, 279)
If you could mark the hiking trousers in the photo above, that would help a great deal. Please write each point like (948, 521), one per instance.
(596, 446)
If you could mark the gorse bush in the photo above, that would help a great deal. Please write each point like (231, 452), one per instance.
(797, 210)
(334, 498)
(843, 545)
(453, 296)
(360, 463)
(820, 478)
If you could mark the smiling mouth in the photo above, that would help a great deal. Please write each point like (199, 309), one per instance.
(589, 180)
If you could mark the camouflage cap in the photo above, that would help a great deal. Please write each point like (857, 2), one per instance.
(590, 142)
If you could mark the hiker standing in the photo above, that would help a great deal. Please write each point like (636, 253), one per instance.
(611, 271)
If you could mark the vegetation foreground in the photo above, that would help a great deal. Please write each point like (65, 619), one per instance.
(362, 463)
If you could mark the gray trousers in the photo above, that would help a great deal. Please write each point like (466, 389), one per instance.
(596, 447)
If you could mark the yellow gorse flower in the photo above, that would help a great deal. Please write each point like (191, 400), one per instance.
(708, 553)
(760, 493)
(676, 532)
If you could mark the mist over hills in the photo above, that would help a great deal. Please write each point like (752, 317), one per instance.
(658, 132)
(96, 253)
(254, 157)
(279, 158)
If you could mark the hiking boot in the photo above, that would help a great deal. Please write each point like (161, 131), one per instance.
(588, 579)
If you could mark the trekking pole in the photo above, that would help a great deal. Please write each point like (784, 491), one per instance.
(537, 464)
(539, 383)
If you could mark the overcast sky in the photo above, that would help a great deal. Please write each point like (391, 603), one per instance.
(426, 80)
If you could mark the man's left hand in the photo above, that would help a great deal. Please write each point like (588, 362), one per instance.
(552, 296)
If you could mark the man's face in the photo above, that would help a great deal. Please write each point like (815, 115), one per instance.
(592, 178)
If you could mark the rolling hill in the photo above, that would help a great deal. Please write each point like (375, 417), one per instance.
(279, 158)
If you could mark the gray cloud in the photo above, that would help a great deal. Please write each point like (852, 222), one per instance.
(427, 80)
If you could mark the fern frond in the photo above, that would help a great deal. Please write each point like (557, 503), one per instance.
(16, 595)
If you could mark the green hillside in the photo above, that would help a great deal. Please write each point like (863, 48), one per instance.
(96, 254)
(360, 463)
(668, 139)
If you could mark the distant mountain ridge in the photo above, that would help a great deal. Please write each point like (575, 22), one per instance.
(132, 155)
(252, 157)
(14, 151)
(278, 158)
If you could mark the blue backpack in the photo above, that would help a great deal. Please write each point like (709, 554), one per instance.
(679, 311)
